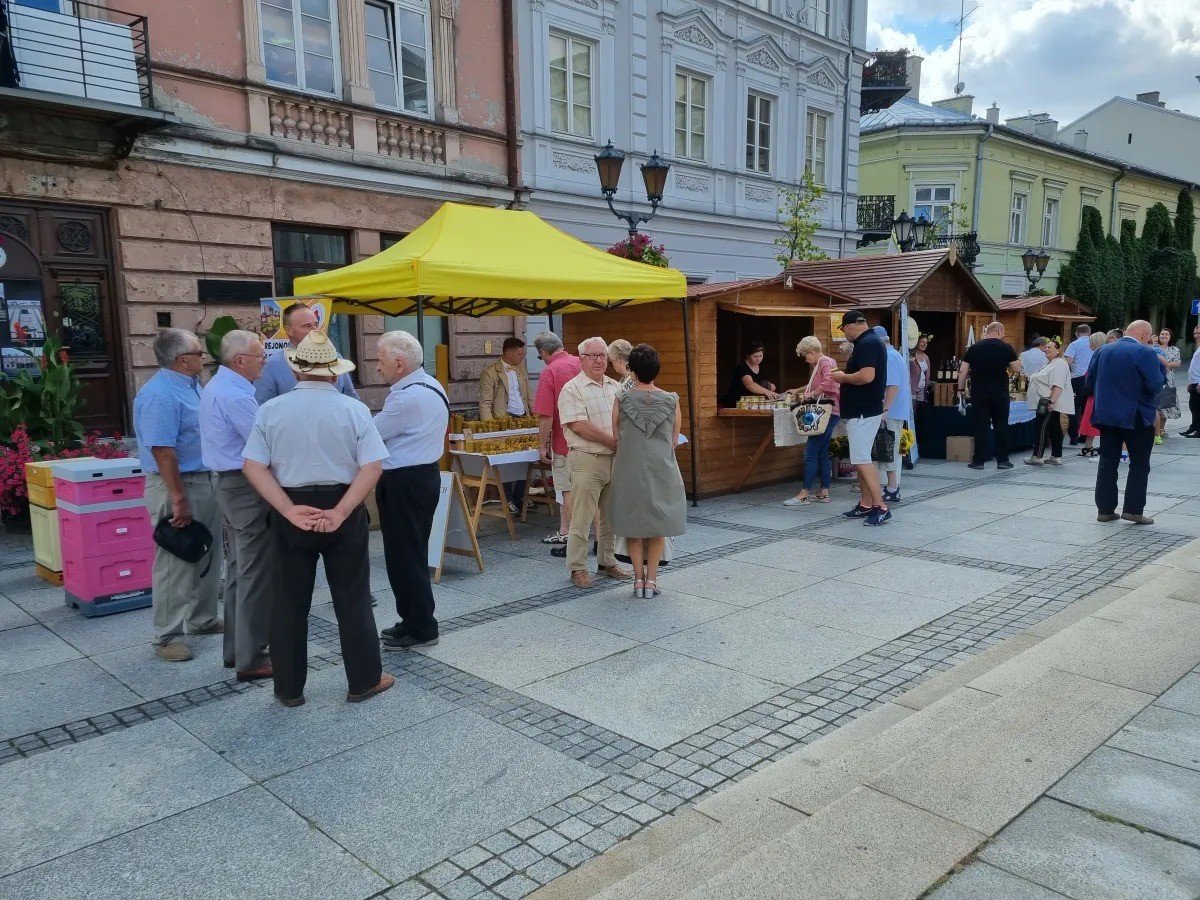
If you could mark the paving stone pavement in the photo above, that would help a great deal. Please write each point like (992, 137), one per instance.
(494, 770)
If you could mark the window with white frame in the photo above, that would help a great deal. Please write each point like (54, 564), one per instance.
(758, 132)
(935, 202)
(1017, 214)
(691, 115)
(818, 15)
(816, 145)
(299, 42)
(571, 84)
(398, 56)
(1050, 222)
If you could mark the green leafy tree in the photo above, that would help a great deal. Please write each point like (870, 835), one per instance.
(799, 211)
(1080, 277)
(1161, 260)
(1185, 236)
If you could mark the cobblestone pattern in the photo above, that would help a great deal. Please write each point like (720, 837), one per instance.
(83, 729)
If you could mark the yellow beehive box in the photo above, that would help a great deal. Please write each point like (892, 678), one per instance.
(40, 482)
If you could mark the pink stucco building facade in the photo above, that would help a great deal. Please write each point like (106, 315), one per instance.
(201, 155)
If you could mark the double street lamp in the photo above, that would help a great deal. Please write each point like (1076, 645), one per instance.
(910, 232)
(654, 174)
(1035, 262)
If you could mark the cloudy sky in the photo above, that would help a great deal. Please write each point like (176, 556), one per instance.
(1063, 57)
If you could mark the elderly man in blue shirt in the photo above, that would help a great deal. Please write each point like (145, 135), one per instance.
(166, 421)
(227, 411)
(412, 424)
(277, 376)
(897, 409)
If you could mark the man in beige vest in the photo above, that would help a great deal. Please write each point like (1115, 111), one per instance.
(504, 391)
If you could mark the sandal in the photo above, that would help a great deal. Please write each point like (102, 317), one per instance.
(651, 589)
(639, 590)
(1086, 451)
(822, 498)
(557, 538)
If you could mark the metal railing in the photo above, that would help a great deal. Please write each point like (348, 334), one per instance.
(89, 51)
(967, 244)
(888, 68)
(876, 212)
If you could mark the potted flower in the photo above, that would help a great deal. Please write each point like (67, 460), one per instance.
(639, 247)
(839, 450)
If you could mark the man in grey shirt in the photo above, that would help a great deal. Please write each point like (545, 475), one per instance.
(314, 455)
(277, 376)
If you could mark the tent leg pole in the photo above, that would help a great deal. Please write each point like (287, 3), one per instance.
(691, 391)
(421, 321)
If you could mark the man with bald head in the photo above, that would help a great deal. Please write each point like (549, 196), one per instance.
(1125, 378)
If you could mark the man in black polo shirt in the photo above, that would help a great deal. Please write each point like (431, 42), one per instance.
(987, 363)
(863, 383)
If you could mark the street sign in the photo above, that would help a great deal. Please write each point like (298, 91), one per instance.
(1196, 307)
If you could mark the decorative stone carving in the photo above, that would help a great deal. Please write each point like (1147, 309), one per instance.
(572, 163)
(313, 123)
(693, 34)
(446, 9)
(590, 4)
(694, 184)
(609, 25)
(14, 226)
(759, 194)
(820, 79)
(739, 67)
(845, 32)
(411, 140)
(722, 63)
(74, 236)
(761, 57)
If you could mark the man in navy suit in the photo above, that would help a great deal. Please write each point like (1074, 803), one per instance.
(1125, 377)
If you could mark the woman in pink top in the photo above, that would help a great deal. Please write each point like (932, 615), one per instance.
(816, 450)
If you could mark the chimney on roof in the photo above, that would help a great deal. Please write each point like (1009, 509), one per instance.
(912, 72)
(1039, 125)
(993, 113)
(1081, 137)
(1151, 97)
(960, 104)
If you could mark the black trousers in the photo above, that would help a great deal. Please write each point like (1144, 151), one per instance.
(1193, 393)
(347, 567)
(1139, 442)
(407, 500)
(1049, 433)
(990, 411)
(1079, 386)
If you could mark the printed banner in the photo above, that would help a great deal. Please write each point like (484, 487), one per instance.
(270, 318)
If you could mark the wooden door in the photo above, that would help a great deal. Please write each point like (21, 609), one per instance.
(80, 312)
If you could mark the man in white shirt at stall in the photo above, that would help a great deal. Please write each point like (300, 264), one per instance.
(1034, 359)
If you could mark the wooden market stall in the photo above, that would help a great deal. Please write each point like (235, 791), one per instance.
(733, 448)
(1051, 316)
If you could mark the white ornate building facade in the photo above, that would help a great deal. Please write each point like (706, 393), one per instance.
(739, 97)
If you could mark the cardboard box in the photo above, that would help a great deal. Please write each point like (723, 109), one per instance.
(960, 448)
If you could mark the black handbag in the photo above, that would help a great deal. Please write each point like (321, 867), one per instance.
(1043, 406)
(883, 448)
(1166, 398)
(191, 543)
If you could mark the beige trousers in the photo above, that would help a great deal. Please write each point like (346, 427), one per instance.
(591, 474)
(183, 598)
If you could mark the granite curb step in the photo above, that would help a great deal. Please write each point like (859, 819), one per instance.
(888, 804)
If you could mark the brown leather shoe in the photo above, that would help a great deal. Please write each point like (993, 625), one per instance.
(290, 701)
(217, 627)
(384, 683)
(615, 571)
(263, 671)
(1107, 517)
(1137, 518)
(175, 651)
(581, 579)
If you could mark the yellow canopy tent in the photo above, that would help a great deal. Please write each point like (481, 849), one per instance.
(477, 261)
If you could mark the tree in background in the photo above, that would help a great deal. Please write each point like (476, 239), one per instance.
(1080, 277)
(1185, 236)
(1160, 265)
(799, 224)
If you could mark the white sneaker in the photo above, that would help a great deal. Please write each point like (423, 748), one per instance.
(1034, 461)
(795, 501)
(1054, 461)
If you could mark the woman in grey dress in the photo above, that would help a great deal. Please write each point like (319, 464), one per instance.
(646, 499)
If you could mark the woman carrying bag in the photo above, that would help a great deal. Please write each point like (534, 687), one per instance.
(821, 388)
(1050, 394)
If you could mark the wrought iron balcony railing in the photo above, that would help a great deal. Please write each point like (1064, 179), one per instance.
(87, 51)
(876, 212)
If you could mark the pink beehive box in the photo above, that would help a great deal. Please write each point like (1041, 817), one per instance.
(84, 482)
(100, 531)
(89, 577)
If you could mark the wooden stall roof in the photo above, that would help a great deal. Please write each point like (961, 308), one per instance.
(1055, 306)
(880, 282)
(728, 292)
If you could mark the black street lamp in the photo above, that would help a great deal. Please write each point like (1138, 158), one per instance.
(911, 233)
(654, 175)
(1034, 263)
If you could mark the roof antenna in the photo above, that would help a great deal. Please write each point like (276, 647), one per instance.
(963, 15)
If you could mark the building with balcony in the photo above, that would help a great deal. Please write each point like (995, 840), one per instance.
(995, 189)
(741, 98)
(177, 161)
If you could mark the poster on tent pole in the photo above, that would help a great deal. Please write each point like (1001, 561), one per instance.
(270, 318)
